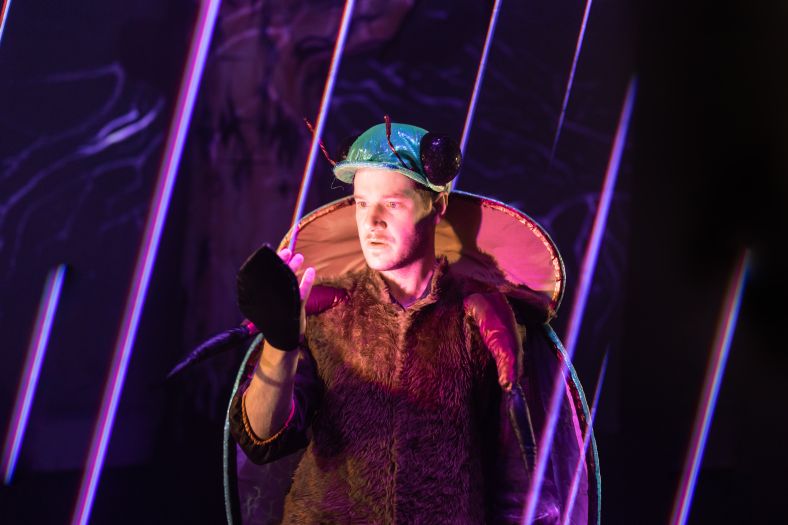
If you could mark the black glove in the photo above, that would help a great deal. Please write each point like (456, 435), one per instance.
(268, 296)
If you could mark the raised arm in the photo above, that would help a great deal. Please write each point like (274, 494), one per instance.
(270, 296)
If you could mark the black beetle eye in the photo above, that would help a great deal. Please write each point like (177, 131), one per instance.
(441, 158)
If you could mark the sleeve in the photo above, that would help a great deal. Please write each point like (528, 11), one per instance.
(498, 331)
(513, 439)
(293, 435)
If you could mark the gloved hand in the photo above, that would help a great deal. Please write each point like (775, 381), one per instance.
(270, 296)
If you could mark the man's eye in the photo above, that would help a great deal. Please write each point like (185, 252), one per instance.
(391, 204)
(361, 204)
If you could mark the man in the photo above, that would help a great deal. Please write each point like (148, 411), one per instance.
(391, 376)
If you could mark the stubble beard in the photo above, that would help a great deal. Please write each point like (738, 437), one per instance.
(416, 250)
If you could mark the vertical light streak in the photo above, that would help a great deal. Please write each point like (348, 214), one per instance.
(588, 265)
(193, 69)
(586, 274)
(32, 369)
(4, 16)
(711, 387)
(570, 502)
(571, 79)
(466, 129)
(328, 90)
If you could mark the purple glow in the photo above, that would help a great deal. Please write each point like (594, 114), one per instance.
(35, 358)
(581, 296)
(328, 90)
(571, 79)
(4, 16)
(711, 388)
(570, 502)
(195, 62)
(466, 130)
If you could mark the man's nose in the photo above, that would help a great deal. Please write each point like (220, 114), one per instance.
(375, 217)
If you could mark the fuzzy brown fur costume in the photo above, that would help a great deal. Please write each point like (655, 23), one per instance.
(402, 405)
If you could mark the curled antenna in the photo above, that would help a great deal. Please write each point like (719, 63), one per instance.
(322, 146)
(388, 137)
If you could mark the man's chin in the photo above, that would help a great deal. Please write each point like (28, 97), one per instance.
(376, 262)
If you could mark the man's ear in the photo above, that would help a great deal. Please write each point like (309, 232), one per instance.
(441, 203)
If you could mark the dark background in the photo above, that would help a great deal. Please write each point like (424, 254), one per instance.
(86, 95)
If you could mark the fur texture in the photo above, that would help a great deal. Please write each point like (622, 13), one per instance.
(407, 426)
(400, 430)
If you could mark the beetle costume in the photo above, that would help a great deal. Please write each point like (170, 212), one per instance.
(421, 414)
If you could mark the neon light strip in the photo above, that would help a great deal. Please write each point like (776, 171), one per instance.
(35, 358)
(711, 388)
(581, 296)
(4, 16)
(571, 79)
(570, 502)
(466, 130)
(195, 63)
(600, 222)
(328, 90)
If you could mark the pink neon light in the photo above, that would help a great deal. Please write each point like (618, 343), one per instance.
(4, 8)
(711, 388)
(466, 129)
(195, 63)
(328, 90)
(571, 79)
(570, 502)
(32, 369)
(581, 296)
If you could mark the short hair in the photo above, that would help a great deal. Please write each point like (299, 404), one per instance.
(428, 195)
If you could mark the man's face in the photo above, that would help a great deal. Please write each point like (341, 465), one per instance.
(396, 224)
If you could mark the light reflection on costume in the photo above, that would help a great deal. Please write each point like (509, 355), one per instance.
(418, 414)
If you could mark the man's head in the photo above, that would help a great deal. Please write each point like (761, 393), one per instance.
(396, 218)
(401, 175)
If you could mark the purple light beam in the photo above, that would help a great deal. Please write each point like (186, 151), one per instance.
(581, 297)
(466, 129)
(328, 90)
(33, 362)
(571, 79)
(193, 69)
(4, 16)
(570, 502)
(600, 221)
(711, 388)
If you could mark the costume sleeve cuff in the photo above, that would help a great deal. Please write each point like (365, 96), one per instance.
(248, 427)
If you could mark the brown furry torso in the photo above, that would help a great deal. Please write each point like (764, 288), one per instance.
(400, 434)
